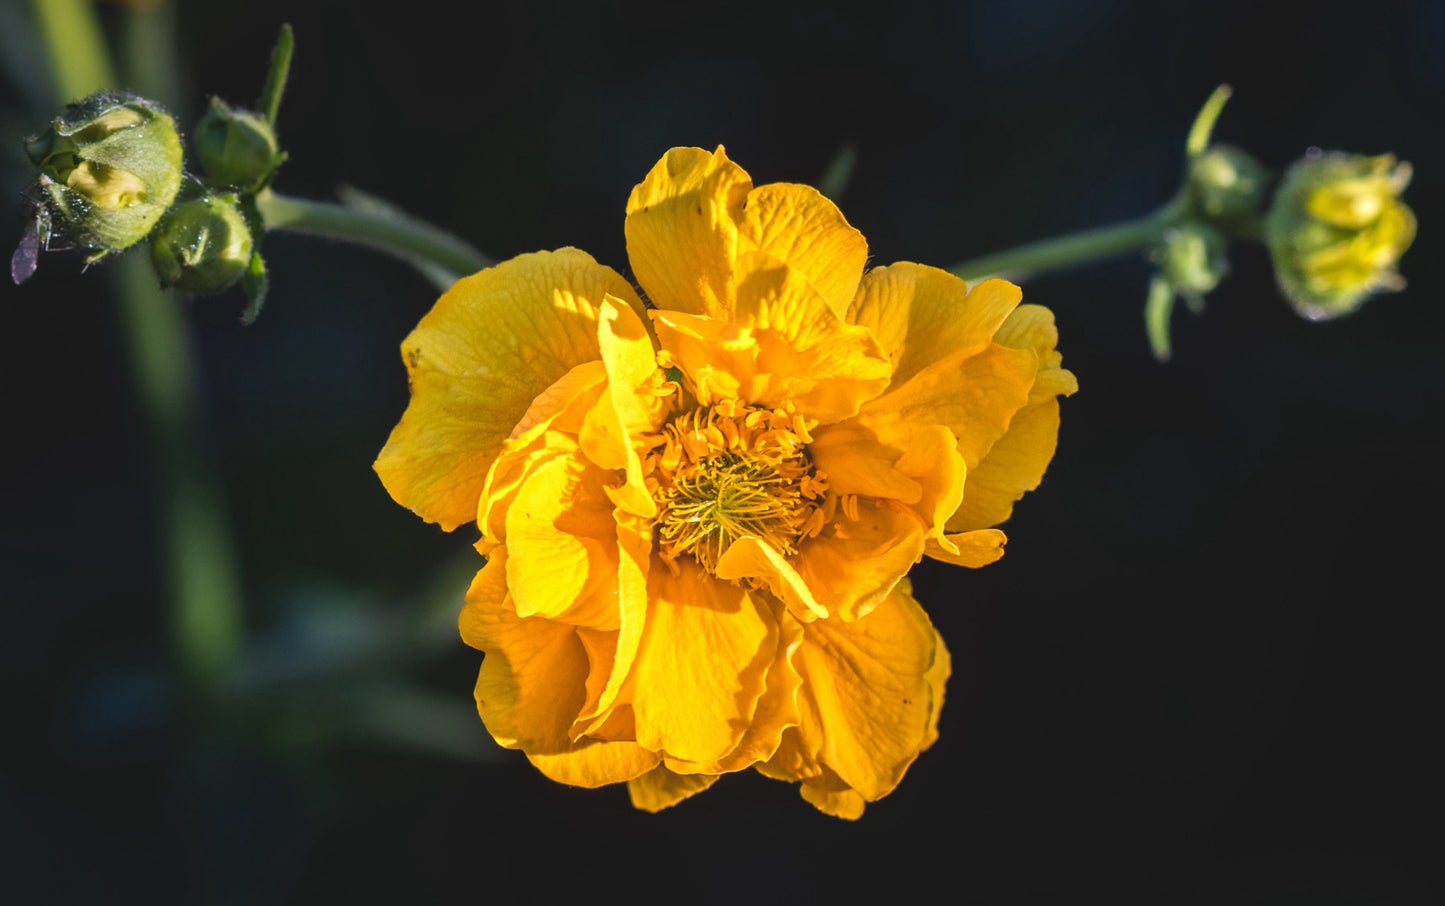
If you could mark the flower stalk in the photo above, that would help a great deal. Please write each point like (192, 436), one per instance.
(1094, 244)
(442, 257)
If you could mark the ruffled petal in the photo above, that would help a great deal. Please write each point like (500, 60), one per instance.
(547, 430)
(855, 461)
(922, 315)
(701, 666)
(636, 403)
(593, 763)
(786, 347)
(1015, 464)
(477, 361)
(533, 677)
(867, 706)
(634, 550)
(855, 563)
(562, 545)
(800, 226)
(976, 398)
(696, 215)
(660, 788)
(750, 557)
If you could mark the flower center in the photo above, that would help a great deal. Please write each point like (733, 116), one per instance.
(731, 470)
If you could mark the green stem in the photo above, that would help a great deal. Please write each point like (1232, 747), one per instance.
(1075, 248)
(202, 587)
(440, 255)
(75, 48)
(201, 574)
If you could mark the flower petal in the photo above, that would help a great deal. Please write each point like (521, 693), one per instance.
(1015, 464)
(634, 548)
(660, 788)
(682, 230)
(695, 215)
(562, 545)
(867, 702)
(532, 679)
(973, 549)
(593, 763)
(855, 563)
(922, 315)
(477, 361)
(785, 347)
(750, 557)
(855, 461)
(636, 404)
(702, 664)
(975, 398)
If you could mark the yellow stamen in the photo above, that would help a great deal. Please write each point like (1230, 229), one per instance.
(729, 471)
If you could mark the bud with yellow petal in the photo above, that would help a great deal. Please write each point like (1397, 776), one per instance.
(1337, 229)
(110, 166)
(203, 245)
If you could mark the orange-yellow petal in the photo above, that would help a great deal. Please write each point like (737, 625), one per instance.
(786, 347)
(682, 230)
(634, 551)
(867, 704)
(636, 404)
(593, 763)
(975, 398)
(695, 216)
(533, 676)
(562, 545)
(973, 549)
(660, 788)
(857, 462)
(1015, 464)
(476, 363)
(855, 564)
(922, 315)
(702, 664)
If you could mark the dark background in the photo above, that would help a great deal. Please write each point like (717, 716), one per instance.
(1207, 671)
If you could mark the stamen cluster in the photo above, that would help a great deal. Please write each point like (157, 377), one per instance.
(731, 470)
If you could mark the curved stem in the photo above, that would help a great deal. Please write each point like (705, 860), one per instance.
(1075, 248)
(438, 254)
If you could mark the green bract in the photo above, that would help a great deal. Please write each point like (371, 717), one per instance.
(109, 166)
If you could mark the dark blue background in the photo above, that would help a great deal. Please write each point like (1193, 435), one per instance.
(1207, 672)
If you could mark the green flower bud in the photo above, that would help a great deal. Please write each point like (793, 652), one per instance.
(1227, 184)
(109, 165)
(1337, 229)
(1191, 258)
(203, 245)
(236, 147)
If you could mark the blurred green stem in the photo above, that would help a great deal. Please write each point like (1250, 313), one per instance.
(74, 46)
(203, 591)
(438, 253)
(1075, 248)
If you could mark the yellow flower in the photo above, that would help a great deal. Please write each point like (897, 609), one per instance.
(698, 513)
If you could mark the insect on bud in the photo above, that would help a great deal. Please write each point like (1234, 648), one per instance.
(236, 147)
(109, 166)
(1337, 229)
(203, 245)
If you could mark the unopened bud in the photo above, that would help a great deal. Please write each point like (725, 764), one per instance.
(203, 245)
(109, 165)
(1228, 185)
(1337, 229)
(236, 147)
